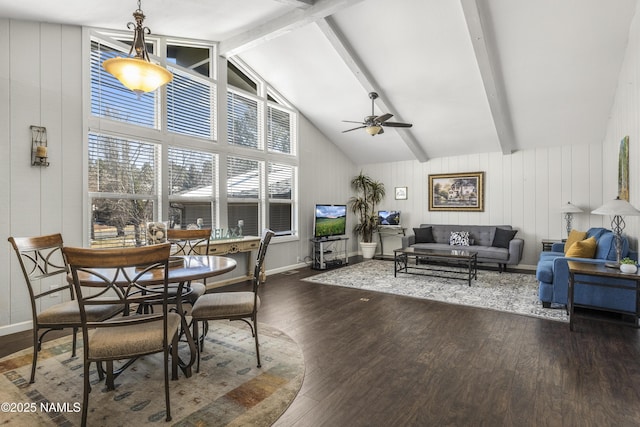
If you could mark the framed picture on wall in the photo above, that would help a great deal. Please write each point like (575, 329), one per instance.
(401, 193)
(457, 192)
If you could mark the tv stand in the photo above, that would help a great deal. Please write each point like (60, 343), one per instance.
(334, 247)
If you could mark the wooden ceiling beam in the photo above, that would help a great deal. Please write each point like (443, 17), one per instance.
(284, 24)
(485, 48)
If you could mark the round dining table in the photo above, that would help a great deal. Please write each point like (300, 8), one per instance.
(183, 270)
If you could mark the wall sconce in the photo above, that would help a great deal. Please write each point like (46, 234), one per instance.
(39, 153)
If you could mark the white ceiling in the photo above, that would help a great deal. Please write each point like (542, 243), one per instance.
(472, 76)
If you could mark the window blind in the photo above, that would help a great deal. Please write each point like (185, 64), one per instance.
(190, 105)
(122, 166)
(111, 100)
(279, 130)
(243, 120)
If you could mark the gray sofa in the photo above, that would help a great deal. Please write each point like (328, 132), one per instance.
(503, 249)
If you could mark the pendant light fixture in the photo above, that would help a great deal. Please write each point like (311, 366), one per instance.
(138, 73)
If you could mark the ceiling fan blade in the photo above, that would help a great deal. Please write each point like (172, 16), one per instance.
(397, 125)
(351, 121)
(384, 117)
(349, 130)
(380, 131)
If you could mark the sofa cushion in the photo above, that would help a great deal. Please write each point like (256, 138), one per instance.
(424, 235)
(459, 238)
(583, 249)
(574, 236)
(502, 238)
(606, 248)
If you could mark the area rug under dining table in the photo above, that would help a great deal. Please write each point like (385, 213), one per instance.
(509, 292)
(229, 390)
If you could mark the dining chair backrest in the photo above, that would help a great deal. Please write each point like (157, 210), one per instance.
(265, 239)
(118, 276)
(189, 242)
(41, 258)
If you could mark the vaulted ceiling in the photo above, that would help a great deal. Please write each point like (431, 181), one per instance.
(472, 76)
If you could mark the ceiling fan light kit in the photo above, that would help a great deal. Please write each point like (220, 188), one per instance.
(374, 125)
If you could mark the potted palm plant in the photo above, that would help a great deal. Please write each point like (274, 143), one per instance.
(369, 193)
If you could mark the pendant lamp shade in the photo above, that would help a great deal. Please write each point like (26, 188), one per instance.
(138, 73)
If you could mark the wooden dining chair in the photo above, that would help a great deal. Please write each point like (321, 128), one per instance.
(129, 276)
(233, 305)
(45, 273)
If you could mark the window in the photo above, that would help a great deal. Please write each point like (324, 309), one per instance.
(279, 130)
(123, 183)
(190, 102)
(243, 120)
(110, 99)
(156, 157)
(244, 194)
(280, 182)
(192, 193)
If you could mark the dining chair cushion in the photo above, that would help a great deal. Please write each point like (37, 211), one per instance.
(69, 312)
(123, 341)
(223, 304)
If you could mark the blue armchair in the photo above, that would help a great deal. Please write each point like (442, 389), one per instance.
(553, 275)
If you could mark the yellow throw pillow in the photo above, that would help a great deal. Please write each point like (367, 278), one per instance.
(574, 236)
(583, 248)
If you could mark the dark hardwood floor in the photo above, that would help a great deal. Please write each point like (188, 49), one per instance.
(383, 360)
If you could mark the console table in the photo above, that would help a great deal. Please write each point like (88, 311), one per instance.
(579, 274)
(245, 245)
(386, 232)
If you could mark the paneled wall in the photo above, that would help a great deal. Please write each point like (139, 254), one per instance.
(40, 75)
(525, 189)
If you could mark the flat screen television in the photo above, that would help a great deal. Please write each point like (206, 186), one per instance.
(330, 220)
(389, 218)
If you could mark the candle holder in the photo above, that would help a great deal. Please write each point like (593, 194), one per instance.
(39, 147)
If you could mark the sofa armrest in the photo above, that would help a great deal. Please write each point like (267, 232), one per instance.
(561, 275)
(516, 248)
(408, 240)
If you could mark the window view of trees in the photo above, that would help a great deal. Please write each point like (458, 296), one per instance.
(123, 185)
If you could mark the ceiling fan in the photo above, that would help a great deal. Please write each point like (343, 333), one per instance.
(374, 124)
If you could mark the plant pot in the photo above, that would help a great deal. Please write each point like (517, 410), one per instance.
(628, 268)
(368, 249)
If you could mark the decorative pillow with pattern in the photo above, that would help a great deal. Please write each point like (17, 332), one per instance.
(459, 238)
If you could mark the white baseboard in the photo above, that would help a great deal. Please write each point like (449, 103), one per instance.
(14, 328)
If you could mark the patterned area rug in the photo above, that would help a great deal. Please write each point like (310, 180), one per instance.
(229, 390)
(510, 292)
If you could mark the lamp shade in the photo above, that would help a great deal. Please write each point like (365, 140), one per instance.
(138, 74)
(569, 208)
(616, 207)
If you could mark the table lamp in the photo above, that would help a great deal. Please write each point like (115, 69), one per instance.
(568, 210)
(617, 208)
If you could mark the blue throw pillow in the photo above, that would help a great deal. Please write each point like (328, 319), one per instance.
(606, 248)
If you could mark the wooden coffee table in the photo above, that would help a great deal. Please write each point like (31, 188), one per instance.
(438, 263)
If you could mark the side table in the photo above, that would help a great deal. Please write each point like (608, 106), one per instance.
(548, 243)
(582, 273)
